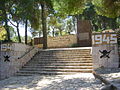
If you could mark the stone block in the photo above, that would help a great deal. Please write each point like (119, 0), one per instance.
(8, 69)
(105, 55)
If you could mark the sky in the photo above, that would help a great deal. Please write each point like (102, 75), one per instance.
(22, 30)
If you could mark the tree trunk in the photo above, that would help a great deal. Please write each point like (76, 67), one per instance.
(43, 17)
(26, 23)
(113, 23)
(39, 33)
(103, 23)
(60, 32)
(74, 24)
(7, 29)
(53, 32)
(19, 38)
(6, 24)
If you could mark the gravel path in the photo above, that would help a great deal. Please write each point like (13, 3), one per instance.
(112, 75)
(81, 81)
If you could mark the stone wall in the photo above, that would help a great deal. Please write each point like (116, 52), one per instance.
(17, 58)
(105, 50)
(58, 42)
(62, 41)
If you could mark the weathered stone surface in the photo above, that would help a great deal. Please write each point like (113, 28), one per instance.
(81, 81)
(111, 75)
(10, 68)
(105, 50)
(84, 33)
(111, 62)
(57, 42)
(62, 41)
(59, 62)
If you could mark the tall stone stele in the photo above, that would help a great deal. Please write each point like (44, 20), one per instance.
(84, 32)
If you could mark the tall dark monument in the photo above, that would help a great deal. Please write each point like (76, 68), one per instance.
(84, 33)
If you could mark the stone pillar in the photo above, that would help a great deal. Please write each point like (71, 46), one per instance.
(84, 33)
(105, 50)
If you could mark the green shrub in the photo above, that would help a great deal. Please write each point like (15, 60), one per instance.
(75, 45)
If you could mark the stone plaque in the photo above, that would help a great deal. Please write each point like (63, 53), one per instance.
(83, 36)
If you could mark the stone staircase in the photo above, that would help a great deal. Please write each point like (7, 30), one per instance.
(59, 62)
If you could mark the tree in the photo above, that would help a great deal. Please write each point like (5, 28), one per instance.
(108, 8)
(44, 26)
(56, 23)
(32, 14)
(45, 5)
(4, 8)
(99, 22)
(70, 7)
(12, 32)
(69, 26)
(17, 27)
(12, 14)
(23, 10)
(59, 26)
(26, 24)
(52, 22)
(2, 33)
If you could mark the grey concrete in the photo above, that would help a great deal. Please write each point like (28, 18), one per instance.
(9, 68)
(81, 81)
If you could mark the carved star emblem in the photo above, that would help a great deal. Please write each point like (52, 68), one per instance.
(6, 58)
(105, 54)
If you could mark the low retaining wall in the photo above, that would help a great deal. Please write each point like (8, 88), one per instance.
(62, 41)
(17, 58)
(57, 42)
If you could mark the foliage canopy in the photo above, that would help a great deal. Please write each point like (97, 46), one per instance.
(69, 7)
(108, 8)
(2, 33)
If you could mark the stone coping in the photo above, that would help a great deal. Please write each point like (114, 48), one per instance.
(65, 48)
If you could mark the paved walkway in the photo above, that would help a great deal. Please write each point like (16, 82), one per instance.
(112, 75)
(81, 81)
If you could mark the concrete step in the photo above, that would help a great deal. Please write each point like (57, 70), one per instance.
(66, 53)
(49, 73)
(55, 67)
(63, 55)
(65, 50)
(52, 56)
(70, 57)
(60, 64)
(60, 61)
(60, 54)
(55, 72)
(64, 59)
(58, 67)
(24, 74)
